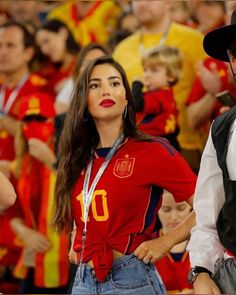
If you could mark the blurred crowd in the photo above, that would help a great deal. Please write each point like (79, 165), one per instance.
(44, 47)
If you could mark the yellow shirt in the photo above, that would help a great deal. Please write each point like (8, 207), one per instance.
(189, 42)
(96, 26)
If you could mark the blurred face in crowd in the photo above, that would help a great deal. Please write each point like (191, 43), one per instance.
(179, 11)
(193, 6)
(149, 11)
(172, 213)
(155, 76)
(107, 95)
(91, 55)
(52, 44)
(24, 11)
(130, 23)
(230, 7)
(13, 54)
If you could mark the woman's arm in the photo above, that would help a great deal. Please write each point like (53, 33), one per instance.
(153, 250)
(7, 193)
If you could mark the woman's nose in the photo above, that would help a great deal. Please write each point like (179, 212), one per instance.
(174, 216)
(105, 90)
(105, 93)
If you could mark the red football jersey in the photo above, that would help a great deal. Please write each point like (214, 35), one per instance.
(125, 201)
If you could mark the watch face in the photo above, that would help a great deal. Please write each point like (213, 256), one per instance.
(192, 275)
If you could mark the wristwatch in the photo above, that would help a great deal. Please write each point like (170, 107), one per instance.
(195, 271)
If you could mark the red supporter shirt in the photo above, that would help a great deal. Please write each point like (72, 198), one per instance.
(160, 114)
(32, 85)
(174, 269)
(175, 273)
(126, 199)
(56, 76)
(198, 91)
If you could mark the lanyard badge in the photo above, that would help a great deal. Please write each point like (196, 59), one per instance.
(87, 194)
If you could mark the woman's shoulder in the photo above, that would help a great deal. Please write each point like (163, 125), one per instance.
(154, 144)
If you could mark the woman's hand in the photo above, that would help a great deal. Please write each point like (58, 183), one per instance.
(30, 238)
(72, 254)
(153, 250)
(40, 151)
(205, 285)
(35, 241)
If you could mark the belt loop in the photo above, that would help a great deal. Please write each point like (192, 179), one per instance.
(81, 271)
(92, 272)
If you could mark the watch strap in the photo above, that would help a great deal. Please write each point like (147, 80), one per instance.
(195, 271)
(200, 269)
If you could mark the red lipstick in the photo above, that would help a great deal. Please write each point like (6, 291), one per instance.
(107, 103)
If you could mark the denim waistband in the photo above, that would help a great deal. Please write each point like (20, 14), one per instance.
(117, 263)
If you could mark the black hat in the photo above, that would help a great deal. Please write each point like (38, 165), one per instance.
(219, 40)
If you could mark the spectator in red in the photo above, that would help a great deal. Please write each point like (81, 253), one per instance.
(157, 113)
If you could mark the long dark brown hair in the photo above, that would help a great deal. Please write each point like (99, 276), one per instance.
(80, 136)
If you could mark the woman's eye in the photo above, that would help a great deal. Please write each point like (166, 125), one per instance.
(165, 209)
(116, 83)
(93, 86)
(181, 207)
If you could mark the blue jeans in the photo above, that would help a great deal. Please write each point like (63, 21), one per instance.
(128, 276)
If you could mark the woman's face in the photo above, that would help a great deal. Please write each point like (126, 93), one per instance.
(52, 44)
(172, 213)
(90, 56)
(106, 95)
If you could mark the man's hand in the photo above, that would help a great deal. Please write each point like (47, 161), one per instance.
(210, 78)
(205, 285)
(153, 250)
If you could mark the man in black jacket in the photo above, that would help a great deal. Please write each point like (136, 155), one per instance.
(212, 245)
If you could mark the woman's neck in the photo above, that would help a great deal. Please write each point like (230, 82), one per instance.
(69, 58)
(108, 134)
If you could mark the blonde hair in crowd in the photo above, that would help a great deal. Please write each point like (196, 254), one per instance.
(168, 57)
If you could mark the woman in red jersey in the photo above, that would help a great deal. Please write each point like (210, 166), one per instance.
(110, 180)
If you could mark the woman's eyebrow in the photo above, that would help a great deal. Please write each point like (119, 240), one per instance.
(95, 79)
(109, 78)
(114, 77)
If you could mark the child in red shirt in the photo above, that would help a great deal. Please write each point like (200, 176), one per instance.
(157, 112)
